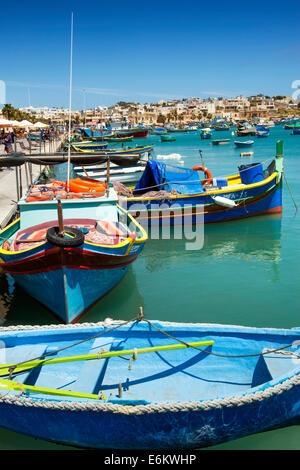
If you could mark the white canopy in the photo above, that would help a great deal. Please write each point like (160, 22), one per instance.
(25, 124)
(5, 123)
(38, 125)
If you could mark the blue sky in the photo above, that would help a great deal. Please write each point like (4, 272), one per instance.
(147, 51)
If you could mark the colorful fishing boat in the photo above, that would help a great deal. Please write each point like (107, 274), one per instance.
(183, 386)
(169, 195)
(68, 263)
(245, 143)
(119, 139)
(142, 150)
(221, 142)
(167, 138)
(296, 131)
(89, 146)
(205, 134)
(123, 174)
(133, 132)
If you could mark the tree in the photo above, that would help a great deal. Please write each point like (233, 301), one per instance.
(8, 111)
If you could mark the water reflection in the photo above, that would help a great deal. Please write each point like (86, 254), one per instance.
(257, 239)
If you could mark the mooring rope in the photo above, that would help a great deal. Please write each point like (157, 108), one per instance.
(296, 207)
(216, 354)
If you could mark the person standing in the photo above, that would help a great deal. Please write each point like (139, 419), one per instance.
(8, 143)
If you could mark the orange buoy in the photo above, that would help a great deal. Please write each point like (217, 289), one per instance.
(88, 185)
(207, 173)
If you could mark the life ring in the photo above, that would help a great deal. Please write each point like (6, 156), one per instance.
(207, 173)
(53, 237)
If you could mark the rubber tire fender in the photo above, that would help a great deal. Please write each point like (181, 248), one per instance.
(53, 237)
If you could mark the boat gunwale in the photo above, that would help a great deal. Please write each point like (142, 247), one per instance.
(260, 392)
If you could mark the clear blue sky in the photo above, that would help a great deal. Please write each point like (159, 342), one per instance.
(147, 51)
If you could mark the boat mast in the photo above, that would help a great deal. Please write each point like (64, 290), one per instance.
(70, 104)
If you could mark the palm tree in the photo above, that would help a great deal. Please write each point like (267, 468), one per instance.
(8, 111)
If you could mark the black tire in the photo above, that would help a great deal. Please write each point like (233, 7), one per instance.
(53, 237)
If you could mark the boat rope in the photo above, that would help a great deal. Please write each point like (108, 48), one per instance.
(296, 207)
(14, 366)
(217, 354)
(202, 179)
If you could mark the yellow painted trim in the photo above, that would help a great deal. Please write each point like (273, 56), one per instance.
(212, 192)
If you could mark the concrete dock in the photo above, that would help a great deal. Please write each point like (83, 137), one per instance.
(8, 178)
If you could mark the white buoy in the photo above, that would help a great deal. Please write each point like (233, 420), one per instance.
(223, 201)
(246, 154)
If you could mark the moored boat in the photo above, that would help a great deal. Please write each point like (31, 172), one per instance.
(68, 263)
(176, 196)
(133, 132)
(167, 138)
(245, 143)
(88, 146)
(221, 141)
(184, 386)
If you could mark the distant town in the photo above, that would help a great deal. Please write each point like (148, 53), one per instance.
(179, 112)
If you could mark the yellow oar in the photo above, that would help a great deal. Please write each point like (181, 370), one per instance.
(19, 387)
(7, 368)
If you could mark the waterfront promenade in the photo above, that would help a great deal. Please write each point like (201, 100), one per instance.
(8, 177)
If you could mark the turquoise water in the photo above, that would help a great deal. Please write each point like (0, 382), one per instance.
(246, 273)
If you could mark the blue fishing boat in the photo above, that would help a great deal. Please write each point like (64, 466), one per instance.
(170, 195)
(262, 131)
(88, 146)
(70, 247)
(296, 131)
(245, 143)
(183, 386)
(167, 138)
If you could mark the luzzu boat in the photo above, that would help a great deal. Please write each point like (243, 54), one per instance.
(245, 143)
(123, 151)
(201, 385)
(169, 195)
(69, 265)
(89, 146)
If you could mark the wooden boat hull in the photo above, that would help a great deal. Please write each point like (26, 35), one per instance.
(257, 199)
(68, 280)
(135, 133)
(244, 144)
(183, 399)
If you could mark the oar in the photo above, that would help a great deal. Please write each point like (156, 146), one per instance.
(19, 387)
(8, 368)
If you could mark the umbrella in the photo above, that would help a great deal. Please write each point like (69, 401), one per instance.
(25, 124)
(5, 123)
(38, 125)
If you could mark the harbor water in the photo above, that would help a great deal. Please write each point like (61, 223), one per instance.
(246, 273)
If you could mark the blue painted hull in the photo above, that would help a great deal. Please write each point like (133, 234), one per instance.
(181, 399)
(68, 292)
(199, 209)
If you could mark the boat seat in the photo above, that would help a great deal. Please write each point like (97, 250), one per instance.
(33, 351)
(90, 373)
(279, 364)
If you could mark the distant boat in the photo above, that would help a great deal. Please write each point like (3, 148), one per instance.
(262, 133)
(123, 174)
(119, 139)
(132, 132)
(296, 131)
(246, 143)
(245, 130)
(205, 135)
(167, 138)
(202, 385)
(221, 141)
